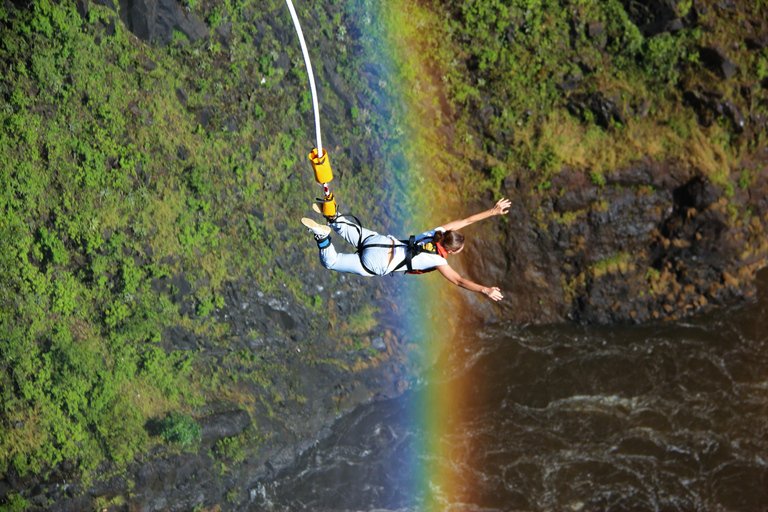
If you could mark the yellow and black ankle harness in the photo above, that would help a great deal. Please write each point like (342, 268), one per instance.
(412, 247)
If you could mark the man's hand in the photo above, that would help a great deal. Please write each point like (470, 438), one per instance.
(493, 293)
(502, 207)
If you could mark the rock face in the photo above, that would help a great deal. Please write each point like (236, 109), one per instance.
(656, 16)
(717, 60)
(654, 241)
(155, 20)
(273, 328)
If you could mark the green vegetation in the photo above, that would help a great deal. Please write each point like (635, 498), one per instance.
(236, 449)
(618, 263)
(532, 86)
(180, 429)
(14, 503)
(123, 165)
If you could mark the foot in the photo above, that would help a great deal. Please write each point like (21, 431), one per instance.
(318, 208)
(319, 231)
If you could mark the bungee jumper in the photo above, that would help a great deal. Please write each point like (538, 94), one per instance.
(379, 255)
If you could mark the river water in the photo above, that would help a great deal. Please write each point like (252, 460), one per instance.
(668, 417)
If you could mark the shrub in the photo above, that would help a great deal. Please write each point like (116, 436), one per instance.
(597, 178)
(232, 448)
(180, 429)
(13, 503)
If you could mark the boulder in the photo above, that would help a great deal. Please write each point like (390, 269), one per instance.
(709, 106)
(716, 60)
(652, 17)
(154, 21)
(603, 109)
(224, 424)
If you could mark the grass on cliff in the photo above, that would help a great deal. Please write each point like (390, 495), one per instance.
(498, 85)
(122, 165)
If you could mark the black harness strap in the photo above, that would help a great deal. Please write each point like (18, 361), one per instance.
(360, 241)
(412, 248)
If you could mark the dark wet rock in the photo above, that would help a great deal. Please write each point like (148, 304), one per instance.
(730, 111)
(717, 61)
(483, 118)
(224, 31)
(709, 106)
(724, 5)
(697, 193)
(224, 424)
(586, 63)
(758, 195)
(109, 28)
(177, 286)
(675, 25)
(577, 195)
(337, 84)
(181, 94)
(283, 62)
(378, 343)
(231, 124)
(178, 338)
(204, 115)
(570, 82)
(604, 110)
(110, 4)
(75, 504)
(178, 482)
(155, 20)
(182, 153)
(652, 17)
(83, 8)
(649, 172)
(758, 42)
(109, 488)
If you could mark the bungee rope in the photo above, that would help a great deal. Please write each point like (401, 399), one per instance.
(318, 157)
(308, 64)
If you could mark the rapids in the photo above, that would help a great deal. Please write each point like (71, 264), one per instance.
(664, 417)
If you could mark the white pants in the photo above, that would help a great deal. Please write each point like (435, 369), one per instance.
(375, 258)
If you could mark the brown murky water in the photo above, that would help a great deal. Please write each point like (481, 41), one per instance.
(670, 417)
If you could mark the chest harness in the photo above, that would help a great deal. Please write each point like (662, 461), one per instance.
(412, 248)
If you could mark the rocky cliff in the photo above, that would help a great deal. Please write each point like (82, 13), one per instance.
(656, 241)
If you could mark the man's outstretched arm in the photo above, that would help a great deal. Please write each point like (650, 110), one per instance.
(501, 207)
(453, 276)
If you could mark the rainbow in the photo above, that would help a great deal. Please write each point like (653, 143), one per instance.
(393, 33)
(403, 27)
